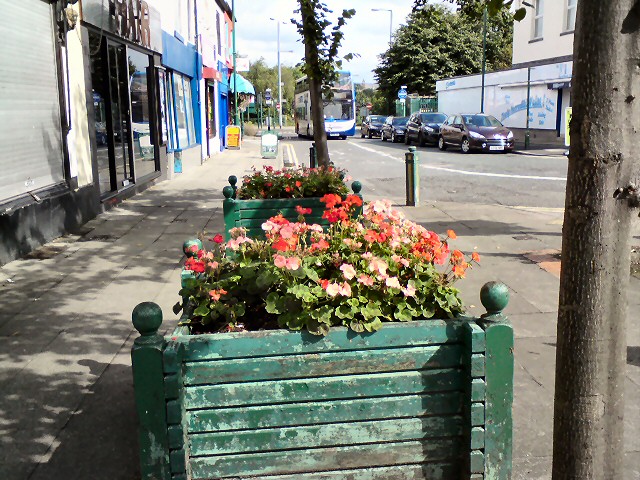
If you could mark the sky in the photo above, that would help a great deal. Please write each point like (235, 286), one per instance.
(366, 34)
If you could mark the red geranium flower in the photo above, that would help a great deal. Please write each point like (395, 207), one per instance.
(218, 238)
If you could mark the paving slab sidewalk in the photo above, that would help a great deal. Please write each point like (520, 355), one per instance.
(67, 409)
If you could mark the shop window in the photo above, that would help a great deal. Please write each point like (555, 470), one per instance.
(184, 131)
(126, 147)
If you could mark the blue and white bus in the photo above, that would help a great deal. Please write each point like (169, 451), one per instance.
(339, 112)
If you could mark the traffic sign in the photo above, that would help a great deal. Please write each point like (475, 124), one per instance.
(277, 106)
(267, 94)
(369, 106)
(402, 93)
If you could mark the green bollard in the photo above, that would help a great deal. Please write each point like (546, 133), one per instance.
(412, 165)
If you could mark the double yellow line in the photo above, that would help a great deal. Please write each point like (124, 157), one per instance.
(291, 156)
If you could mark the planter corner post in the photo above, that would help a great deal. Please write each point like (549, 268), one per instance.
(228, 209)
(499, 369)
(148, 379)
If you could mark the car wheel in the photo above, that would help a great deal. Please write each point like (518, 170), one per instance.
(370, 136)
(393, 137)
(465, 146)
(420, 140)
(441, 144)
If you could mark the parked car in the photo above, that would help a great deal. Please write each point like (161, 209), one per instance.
(424, 128)
(394, 129)
(372, 126)
(475, 132)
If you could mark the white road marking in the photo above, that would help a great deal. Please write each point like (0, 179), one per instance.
(462, 172)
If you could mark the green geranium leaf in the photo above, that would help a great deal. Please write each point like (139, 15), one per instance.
(402, 315)
(177, 308)
(272, 303)
(373, 326)
(344, 312)
(370, 311)
(356, 326)
(428, 311)
(311, 274)
(317, 328)
(201, 311)
(266, 279)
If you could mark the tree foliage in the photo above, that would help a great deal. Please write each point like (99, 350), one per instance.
(321, 61)
(263, 76)
(438, 43)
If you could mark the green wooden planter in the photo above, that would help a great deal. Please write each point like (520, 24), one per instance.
(251, 214)
(422, 400)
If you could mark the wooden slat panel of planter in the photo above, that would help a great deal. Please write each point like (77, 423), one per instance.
(319, 459)
(278, 203)
(329, 435)
(427, 471)
(319, 364)
(313, 389)
(281, 342)
(312, 413)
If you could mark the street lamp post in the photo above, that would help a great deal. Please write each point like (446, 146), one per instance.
(279, 75)
(390, 20)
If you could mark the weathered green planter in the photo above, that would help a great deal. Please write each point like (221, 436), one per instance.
(251, 214)
(421, 400)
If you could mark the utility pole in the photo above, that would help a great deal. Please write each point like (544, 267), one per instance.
(484, 56)
(235, 76)
(279, 81)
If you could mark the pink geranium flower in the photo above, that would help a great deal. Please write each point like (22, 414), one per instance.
(348, 271)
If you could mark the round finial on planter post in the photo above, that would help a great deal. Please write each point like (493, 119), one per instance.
(147, 318)
(356, 187)
(233, 180)
(187, 247)
(228, 192)
(494, 297)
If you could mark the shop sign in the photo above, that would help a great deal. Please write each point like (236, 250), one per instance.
(134, 20)
(233, 136)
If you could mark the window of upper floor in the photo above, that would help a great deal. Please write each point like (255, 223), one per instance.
(570, 15)
(538, 17)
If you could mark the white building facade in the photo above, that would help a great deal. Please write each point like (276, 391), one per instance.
(541, 72)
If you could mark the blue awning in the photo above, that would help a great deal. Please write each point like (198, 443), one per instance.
(244, 85)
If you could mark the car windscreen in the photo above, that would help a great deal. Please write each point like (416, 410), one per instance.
(399, 121)
(433, 117)
(481, 120)
(378, 119)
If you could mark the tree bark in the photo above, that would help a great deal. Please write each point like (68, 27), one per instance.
(591, 346)
(315, 84)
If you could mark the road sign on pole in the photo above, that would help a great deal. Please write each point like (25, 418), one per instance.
(267, 96)
(402, 93)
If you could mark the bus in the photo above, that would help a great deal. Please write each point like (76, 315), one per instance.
(339, 112)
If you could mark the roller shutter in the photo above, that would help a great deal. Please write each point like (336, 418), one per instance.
(31, 155)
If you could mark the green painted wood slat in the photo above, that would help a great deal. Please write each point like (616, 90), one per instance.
(313, 389)
(328, 435)
(356, 456)
(311, 413)
(319, 364)
(425, 471)
(284, 342)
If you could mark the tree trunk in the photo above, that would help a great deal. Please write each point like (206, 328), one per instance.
(591, 347)
(317, 115)
(315, 83)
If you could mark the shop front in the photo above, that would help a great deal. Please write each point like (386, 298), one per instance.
(124, 43)
(183, 115)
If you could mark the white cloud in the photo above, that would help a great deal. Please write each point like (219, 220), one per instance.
(366, 34)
